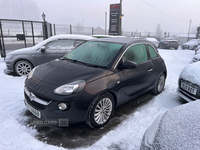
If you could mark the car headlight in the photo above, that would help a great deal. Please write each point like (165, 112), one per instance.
(70, 88)
(191, 46)
(31, 73)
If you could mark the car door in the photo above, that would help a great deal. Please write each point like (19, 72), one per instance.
(157, 62)
(57, 49)
(135, 81)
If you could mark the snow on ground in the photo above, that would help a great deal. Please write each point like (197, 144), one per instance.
(14, 134)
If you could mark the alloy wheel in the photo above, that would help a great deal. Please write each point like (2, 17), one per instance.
(23, 68)
(103, 111)
(161, 83)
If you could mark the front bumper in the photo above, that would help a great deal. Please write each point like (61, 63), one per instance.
(187, 47)
(175, 46)
(9, 67)
(6, 71)
(46, 102)
(51, 111)
(185, 95)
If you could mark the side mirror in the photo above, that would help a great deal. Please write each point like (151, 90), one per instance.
(129, 64)
(42, 48)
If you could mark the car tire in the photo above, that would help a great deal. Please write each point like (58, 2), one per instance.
(23, 67)
(101, 111)
(159, 85)
(194, 47)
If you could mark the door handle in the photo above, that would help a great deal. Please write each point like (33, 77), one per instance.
(150, 70)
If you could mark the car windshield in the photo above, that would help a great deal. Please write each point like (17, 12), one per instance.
(95, 53)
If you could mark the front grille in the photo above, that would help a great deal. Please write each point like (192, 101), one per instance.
(34, 104)
(192, 85)
(185, 46)
(191, 98)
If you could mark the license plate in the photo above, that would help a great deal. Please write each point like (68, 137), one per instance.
(173, 42)
(189, 88)
(33, 110)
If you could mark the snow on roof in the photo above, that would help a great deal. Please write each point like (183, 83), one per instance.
(151, 39)
(191, 73)
(63, 36)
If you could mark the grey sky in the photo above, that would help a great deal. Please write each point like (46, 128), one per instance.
(141, 15)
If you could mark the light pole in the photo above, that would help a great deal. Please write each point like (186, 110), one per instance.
(43, 17)
(44, 26)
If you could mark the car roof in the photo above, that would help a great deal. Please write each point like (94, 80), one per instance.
(63, 36)
(121, 40)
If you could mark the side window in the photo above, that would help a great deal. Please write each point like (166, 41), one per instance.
(61, 44)
(136, 53)
(152, 52)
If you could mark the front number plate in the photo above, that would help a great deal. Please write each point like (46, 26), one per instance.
(189, 88)
(33, 110)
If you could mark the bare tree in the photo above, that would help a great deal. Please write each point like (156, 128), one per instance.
(158, 32)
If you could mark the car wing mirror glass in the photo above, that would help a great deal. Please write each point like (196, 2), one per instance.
(42, 48)
(129, 64)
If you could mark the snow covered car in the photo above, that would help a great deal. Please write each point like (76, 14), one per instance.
(176, 129)
(196, 57)
(197, 50)
(153, 40)
(168, 43)
(189, 82)
(191, 45)
(90, 81)
(22, 61)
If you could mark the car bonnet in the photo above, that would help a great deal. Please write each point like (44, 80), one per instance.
(179, 128)
(60, 72)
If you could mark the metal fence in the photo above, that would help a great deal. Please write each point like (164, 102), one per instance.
(15, 34)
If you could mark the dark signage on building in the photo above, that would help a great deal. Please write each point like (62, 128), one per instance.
(114, 19)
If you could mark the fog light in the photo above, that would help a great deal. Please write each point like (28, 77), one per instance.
(62, 106)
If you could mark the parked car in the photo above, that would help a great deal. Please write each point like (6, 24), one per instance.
(197, 50)
(90, 81)
(22, 61)
(168, 43)
(153, 40)
(189, 83)
(196, 57)
(176, 129)
(192, 44)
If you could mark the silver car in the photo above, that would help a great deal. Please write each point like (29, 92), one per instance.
(153, 40)
(22, 61)
(191, 45)
(189, 83)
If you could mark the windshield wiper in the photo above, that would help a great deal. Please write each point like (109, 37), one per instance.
(90, 65)
(97, 66)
